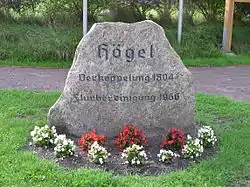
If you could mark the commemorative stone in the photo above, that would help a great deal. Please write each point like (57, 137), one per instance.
(125, 74)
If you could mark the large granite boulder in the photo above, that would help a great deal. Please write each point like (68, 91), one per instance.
(122, 74)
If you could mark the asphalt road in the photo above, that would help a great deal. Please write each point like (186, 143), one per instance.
(233, 81)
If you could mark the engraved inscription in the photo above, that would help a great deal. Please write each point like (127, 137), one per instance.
(77, 98)
(107, 51)
(116, 51)
(128, 78)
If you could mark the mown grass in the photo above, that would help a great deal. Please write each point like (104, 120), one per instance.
(20, 111)
(199, 62)
(37, 45)
(218, 61)
(31, 63)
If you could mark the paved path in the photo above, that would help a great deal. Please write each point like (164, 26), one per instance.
(231, 81)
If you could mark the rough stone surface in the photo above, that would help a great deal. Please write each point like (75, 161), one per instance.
(107, 88)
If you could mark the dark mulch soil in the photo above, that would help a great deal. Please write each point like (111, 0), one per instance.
(115, 163)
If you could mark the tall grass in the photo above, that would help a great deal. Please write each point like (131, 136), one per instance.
(37, 43)
(33, 42)
(197, 41)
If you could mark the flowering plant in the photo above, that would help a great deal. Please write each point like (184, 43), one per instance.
(206, 135)
(129, 136)
(43, 136)
(193, 148)
(97, 153)
(134, 155)
(166, 156)
(174, 140)
(63, 146)
(89, 138)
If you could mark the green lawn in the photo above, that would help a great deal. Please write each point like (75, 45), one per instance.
(218, 61)
(30, 63)
(20, 111)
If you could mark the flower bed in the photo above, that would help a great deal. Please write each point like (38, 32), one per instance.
(131, 152)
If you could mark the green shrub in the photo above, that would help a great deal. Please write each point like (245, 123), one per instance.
(197, 41)
(128, 12)
(69, 12)
(241, 40)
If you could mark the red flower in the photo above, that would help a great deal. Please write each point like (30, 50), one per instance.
(174, 140)
(171, 142)
(130, 135)
(90, 137)
(174, 136)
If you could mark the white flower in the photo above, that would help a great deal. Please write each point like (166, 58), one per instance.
(64, 146)
(167, 155)
(142, 153)
(42, 136)
(65, 142)
(201, 149)
(193, 148)
(124, 155)
(32, 133)
(134, 154)
(196, 141)
(97, 153)
(206, 135)
(100, 160)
